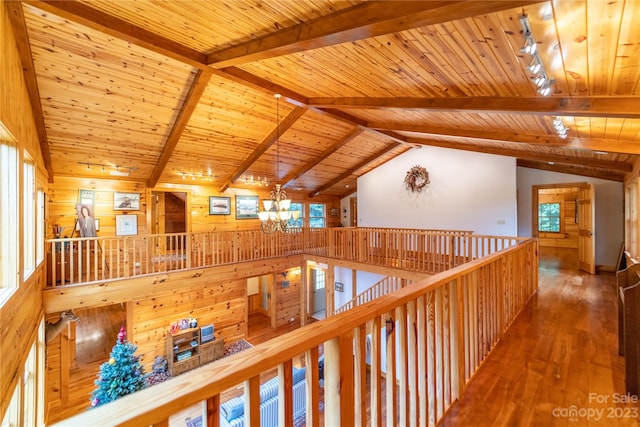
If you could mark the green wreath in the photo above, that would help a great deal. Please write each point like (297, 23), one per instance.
(416, 179)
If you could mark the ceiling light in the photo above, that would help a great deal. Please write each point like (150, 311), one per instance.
(276, 214)
(536, 67)
(560, 128)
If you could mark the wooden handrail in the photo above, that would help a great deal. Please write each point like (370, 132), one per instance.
(85, 260)
(435, 334)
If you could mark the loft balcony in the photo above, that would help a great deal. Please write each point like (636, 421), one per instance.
(443, 326)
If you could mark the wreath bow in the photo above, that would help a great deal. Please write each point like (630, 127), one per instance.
(416, 179)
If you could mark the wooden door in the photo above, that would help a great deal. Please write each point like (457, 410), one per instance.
(586, 221)
(353, 208)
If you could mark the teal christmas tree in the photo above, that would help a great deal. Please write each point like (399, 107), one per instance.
(121, 375)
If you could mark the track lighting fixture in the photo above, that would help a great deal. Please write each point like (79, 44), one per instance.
(560, 128)
(538, 73)
(117, 171)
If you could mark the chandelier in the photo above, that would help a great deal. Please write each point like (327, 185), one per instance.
(276, 214)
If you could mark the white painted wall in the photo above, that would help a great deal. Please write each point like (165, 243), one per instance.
(609, 226)
(468, 191)
(364, 280)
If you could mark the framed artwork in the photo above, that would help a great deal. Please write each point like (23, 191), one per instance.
(339, 287)
(126, 225)
(334, 211)
(247, 207)
(126, 201)
(86, 197)
(219, 205)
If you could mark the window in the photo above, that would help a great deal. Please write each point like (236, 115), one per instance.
(316, 215)
(12, 416)
(29, 216)
(296, 223)
(8, 213)
(40, 228)
(318, 279)
(549, 217)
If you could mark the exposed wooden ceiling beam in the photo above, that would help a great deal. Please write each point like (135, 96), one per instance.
(580, 106)
(352, 170)
(364, 20)
(281, 127)
(529, 155)
(108, 24)
(310, 165)
(198, 86)
(609, 145)
(16, 15)
(572, 169)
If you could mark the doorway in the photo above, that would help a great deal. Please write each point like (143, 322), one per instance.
(168, 215)
(563, 218)
(317, 277)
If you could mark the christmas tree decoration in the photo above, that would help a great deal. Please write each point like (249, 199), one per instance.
(123, 374)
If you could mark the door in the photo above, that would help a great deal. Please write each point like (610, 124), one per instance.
(586, 221)
(317, 281)
(353, 208)
(265, 295)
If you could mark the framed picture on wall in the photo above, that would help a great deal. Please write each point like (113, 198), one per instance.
(86, 197)
(126, 225)
(219, 205)
(247, 207)
(126, 201)
(339, 287)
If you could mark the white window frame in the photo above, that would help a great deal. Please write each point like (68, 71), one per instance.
(29, 217)
(9, 198)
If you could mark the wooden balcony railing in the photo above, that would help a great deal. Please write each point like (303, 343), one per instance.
(432, 337)
(375, 291)
(81, 260)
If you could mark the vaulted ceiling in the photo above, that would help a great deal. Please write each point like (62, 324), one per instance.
(184, 90)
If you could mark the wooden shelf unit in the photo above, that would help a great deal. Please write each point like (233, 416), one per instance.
(183, 351)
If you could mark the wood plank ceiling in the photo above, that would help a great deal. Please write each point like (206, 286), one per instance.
(183, 90)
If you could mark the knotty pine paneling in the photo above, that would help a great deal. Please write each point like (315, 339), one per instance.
(222, 303)
(569, 237)
(22, 312)
(287, 301)
(63, 196)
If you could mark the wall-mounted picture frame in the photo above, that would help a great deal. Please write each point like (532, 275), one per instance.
(247, 207)
(219, 205)
(334, 212)
(86, 197)
(126, 201)
(339, 287)
(126, 225)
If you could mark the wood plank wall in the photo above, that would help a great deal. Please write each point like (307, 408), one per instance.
(221, 303)
(287, 301)
(569, 237)
(63, 195)
(22, 313)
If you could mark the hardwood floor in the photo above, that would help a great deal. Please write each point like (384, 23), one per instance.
(558, 364)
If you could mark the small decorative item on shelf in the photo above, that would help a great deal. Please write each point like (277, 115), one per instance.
(184, 324)
(193, 323)
(175, 327)
(416, 179)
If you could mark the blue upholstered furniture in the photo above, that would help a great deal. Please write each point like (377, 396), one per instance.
(232, 411)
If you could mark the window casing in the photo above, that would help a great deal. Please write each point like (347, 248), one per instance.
(29, 218)
(9, 245)
(40, 231)
(316, 215)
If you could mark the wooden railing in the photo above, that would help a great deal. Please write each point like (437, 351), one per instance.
(433, 335)
(382, 287)
(81, 260)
